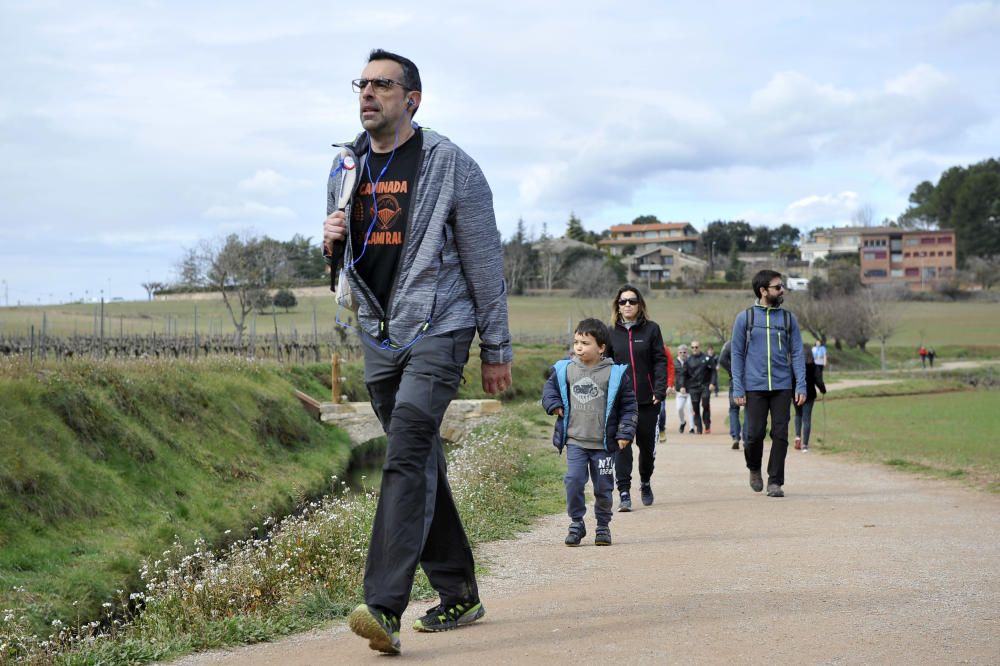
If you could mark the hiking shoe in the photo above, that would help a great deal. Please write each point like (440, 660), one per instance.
(647, 494)
(603, 537)
(443, 618)
(663, 436)
(798, 442)
(577, 530)
(805, 449)
(691, 431)
(625, 503)
(681, 431)
(381, 629)
(736, 445)
(774, 490)
(756, 480)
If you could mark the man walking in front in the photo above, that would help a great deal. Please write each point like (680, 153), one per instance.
(423, 261)
(768, 373)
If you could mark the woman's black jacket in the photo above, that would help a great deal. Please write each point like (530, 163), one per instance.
(641, 348)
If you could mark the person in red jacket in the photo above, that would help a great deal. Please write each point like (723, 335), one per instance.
(662, 422)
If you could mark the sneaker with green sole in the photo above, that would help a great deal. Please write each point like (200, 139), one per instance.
(381, 629)
(444, 618)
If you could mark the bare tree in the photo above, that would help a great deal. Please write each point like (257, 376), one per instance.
(814, 315)
(238, 267)
(882, 310)
(863, 216)
(549, 262)
(717, 321)
(153, 287)
(985, 270)
(591, 278)
(694, 277)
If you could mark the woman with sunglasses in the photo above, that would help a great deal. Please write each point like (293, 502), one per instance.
(637, 342)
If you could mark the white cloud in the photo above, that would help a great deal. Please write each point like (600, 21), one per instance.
(972, 18)
(248, 210)
(269, 182)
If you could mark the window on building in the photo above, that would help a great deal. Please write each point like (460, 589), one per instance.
(927, 240)
(896, 257)
(896, 244)
(875, 273)
(912, 241)
(948, 253)
(896, 272)
(944, 240)
(930, 272)
(913, 272)
(668, 260)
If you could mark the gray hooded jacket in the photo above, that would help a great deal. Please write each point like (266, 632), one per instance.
(450, 275)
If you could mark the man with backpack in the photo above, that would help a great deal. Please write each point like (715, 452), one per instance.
(737, 432)
(769, 371)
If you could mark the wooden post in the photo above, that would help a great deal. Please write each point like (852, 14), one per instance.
(335, 379)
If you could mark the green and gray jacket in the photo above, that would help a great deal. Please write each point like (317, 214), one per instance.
(450, 275)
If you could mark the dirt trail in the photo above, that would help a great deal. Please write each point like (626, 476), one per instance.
(856, 565)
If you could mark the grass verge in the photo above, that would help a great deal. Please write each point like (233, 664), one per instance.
(306, 570)
(946, 435)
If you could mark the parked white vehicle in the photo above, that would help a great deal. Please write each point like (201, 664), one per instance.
(797, 284)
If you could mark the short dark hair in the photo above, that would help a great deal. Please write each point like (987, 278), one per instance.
(411, 75)
(596, 329)
(616, 313)
(762, 279)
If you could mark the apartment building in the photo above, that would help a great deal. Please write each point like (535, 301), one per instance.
(661, 264)
(680, 236)
(918, 259)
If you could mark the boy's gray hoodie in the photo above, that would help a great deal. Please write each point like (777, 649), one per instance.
(450, 275)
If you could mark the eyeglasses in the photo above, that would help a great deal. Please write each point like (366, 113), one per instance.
(777, 287)
(628, 301)
(380, 85)
(695, 347)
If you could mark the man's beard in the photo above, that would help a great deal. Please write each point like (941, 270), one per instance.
(775, 301)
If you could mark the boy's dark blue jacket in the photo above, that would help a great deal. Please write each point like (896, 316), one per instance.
(619, 416)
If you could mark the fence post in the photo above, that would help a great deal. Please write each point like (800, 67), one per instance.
(335, 379)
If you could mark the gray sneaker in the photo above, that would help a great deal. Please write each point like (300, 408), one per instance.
(756, 480)
(774, 490)
(603, 537)
(577, 530)
(647, 494)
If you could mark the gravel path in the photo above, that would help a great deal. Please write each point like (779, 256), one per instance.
(858, 564)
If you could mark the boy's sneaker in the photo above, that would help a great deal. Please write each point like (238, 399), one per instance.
(577, 530)
(443, 618)
(774, 490)
(756, 480)
(625, 503)
(736, 445)
(647, 494)
(381, 629)
(603, 537)
(681, 431)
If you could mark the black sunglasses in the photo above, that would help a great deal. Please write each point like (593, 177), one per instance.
(778, 287)
(628, 301)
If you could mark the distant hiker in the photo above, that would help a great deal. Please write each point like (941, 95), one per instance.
(596, 409)
(714, 360)
(768, 370)
(662, 420)
(930, 356)
(698, 378)
(923, 356)
(737, 432)
(682, 401)
(819, 357)
(636, 341)
(803, 412)
(425, 281)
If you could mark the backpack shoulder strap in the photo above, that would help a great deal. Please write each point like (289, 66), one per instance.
(749, 326)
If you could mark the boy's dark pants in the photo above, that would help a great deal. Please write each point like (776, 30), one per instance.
(599, 465)
(416, 519)
(759, 404)
(645, 439)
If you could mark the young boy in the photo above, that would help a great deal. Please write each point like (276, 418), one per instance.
(597, 412)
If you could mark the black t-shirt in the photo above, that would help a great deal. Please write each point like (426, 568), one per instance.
(391, 205)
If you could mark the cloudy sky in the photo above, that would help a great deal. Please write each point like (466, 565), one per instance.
(130, 131)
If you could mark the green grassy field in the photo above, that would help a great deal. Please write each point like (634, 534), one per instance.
(954, 435)
(934, 323)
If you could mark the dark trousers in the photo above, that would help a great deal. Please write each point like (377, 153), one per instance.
(736, 431)
(700, 398)
(645, 440)
(760, 404)
(599, 465)
(416, 520)
(803, 421)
